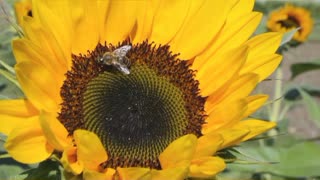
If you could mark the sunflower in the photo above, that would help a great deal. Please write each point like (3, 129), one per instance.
(137, 89)
(291, 17)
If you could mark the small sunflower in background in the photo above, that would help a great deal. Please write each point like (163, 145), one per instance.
(137, 89)
(291, 17)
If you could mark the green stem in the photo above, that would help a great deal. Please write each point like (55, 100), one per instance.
(284, 111)
(274, 116)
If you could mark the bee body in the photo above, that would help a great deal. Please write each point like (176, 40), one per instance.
(118, 59)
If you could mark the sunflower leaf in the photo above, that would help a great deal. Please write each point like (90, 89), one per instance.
(287, 37)
(299, 68)
(47, 170)
(312, 106)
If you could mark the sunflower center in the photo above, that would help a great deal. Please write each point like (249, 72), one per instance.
(290, 22)
(136, 116)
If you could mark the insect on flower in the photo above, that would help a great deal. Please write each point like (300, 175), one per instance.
(118, 59)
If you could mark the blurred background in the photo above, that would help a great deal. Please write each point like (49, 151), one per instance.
(289, 152)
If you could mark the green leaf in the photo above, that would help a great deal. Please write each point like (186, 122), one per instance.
(313, 107)
(47, 170)
(295, 159)
(300, 160)
(299, 68)
(287, 37)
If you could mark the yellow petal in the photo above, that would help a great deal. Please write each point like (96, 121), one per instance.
(228, 65)
(255, 127)
(263, 44)
(8, 123)
(70, 161)
(200, 29)
(241, 7)
(89, 149)
(221, 116)
(205, 167)
(34, 80)
(54, 131)
(208, 144)
(239, 88)
(22, 8)
(14, 112)
(85, 25)
(263, 65)
(254, 103)
(102, 9)
(94, 175)
(179, 152)
(145, 13)
(25, 50)
(120, 21)
(164, 21)
(232, 136)
(17, 107)
(233, 35)
(42, 38)
(177, 173)
(27, 144)
(134, 173)
(57, 23)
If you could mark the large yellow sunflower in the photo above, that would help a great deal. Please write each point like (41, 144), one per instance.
(291, 17)
(137, 89)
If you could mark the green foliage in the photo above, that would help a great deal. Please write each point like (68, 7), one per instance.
(46, 170)
(300, 68)
(312, 106)
(287, 158)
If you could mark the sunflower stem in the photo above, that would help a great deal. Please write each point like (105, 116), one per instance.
(284, 111)
(274, 116)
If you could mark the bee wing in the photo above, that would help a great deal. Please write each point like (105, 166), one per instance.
(121, 67)
(122, 51)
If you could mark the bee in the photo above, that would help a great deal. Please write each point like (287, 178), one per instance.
(118, 59)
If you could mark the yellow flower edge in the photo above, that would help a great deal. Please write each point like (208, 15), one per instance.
(220, 41)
